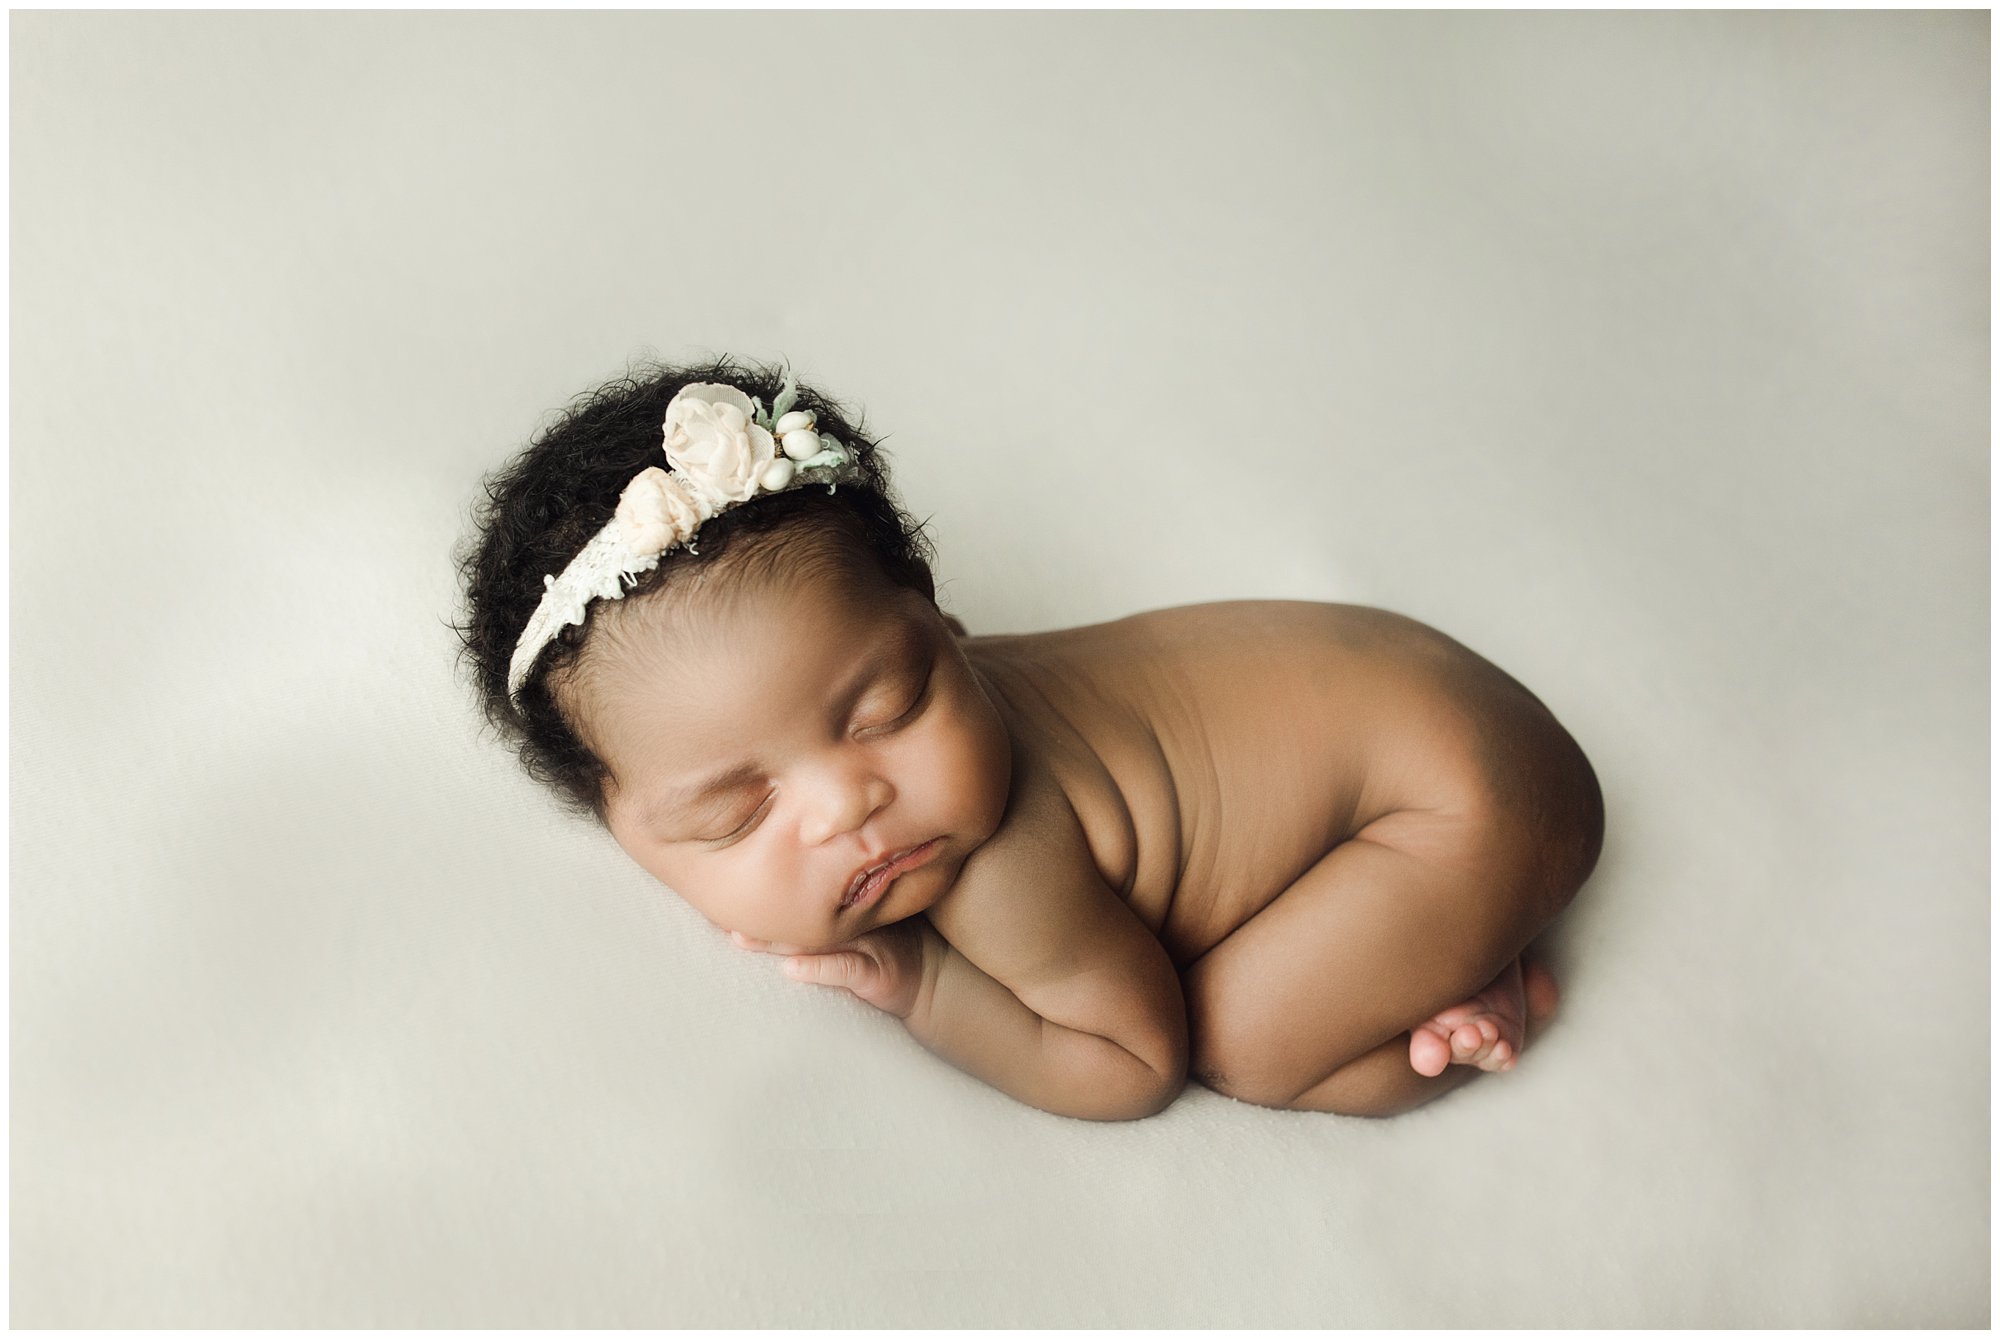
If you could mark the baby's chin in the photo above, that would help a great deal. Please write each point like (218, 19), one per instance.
(921, 889)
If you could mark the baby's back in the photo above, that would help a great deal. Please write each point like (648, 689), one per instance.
(1214, 752)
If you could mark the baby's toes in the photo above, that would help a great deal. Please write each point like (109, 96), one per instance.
(1472, 1042)
(1500, 1055)
(1430, 1051)
(1503, 1049)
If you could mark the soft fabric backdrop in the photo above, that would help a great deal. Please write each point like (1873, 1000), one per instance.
(1645, 353)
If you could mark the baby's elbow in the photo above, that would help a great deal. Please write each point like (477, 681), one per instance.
(1168, 1067)
(1164, 1095)
(1146, 1098)
(1160, 1073)
(1154, 1036)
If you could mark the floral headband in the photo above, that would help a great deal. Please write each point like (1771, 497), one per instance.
(725, 449)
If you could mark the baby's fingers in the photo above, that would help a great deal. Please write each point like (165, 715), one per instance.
(849, 971)
(742, 940)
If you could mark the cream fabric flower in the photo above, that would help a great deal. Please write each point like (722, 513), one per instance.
(656, 511)
(721, 455)
(714, 442)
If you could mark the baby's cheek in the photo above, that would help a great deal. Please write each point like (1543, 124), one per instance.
(985, 767)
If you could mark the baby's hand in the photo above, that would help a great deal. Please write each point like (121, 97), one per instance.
(884, 967)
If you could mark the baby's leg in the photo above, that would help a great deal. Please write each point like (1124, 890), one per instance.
(1373, 941)
(1384, 1083)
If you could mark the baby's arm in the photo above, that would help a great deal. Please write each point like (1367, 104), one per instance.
(1105, 1039)
(1041, 981)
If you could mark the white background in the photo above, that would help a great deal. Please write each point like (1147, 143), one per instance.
(1644, 353)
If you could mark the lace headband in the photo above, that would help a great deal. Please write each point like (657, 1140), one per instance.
(725, 449)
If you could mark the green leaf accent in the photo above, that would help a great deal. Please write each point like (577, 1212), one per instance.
(786, 398)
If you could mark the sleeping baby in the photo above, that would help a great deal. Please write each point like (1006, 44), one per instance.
(1292, 850)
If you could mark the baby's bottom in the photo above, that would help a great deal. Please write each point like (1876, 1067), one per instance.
(1312, 1003)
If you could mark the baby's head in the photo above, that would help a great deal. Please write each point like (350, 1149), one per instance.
(773, 706)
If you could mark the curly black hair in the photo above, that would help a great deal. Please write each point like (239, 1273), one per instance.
(546, 503)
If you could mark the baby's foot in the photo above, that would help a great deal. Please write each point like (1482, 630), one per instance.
(1490, 1029)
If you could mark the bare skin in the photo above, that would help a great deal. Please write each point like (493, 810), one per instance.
(1488, 1031)
(1214, 753)
(1342, 828)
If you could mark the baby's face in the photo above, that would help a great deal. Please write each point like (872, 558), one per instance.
(771, 745)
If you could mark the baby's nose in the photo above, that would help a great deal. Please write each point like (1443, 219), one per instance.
(845, 808)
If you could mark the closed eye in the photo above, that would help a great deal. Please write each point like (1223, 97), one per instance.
(914, 710)
(911, 714)
(742, 829)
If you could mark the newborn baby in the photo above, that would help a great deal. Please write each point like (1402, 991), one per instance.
(1293, 850)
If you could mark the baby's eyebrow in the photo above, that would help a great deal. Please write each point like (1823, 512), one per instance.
(894, 648)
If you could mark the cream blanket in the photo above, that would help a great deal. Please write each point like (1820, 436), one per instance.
(1645, 353)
